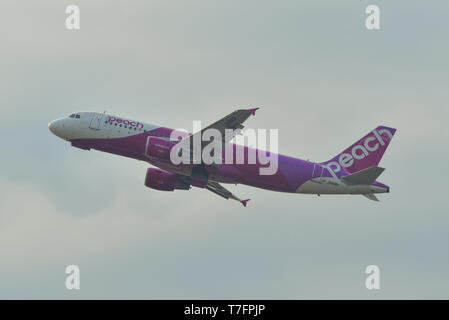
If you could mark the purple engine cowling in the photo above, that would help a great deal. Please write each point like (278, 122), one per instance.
(160, 179)
(159, 148)
(165, 181)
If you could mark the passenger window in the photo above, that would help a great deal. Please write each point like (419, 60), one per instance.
(120, 124)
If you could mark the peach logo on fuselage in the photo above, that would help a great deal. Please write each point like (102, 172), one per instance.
(125, 122)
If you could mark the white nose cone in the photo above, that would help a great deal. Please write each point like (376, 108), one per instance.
(52, 127)
(57, 128)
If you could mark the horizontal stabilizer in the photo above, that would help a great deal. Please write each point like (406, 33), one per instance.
(371, 196)
(365, 176)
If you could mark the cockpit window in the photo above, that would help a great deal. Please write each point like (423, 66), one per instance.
(72, 115)
(78, 116)
(75, 115)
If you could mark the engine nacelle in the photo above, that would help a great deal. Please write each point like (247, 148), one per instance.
(163, 180)
(159, 148)
(160, 179)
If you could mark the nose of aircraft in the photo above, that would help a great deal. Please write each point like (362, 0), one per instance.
(55, 127)
(52, 126)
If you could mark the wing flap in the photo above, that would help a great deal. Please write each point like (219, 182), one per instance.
(218, 189)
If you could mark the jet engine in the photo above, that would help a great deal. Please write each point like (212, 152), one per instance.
(163, 180)
(159, 148)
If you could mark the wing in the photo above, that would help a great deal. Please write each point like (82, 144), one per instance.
(233, 121)
(217, 188)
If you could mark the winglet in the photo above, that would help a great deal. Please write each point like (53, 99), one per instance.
(253, 111)
(244, 202)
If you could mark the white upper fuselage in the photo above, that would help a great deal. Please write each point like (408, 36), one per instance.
(92, 125)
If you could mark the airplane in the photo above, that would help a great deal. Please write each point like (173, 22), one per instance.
(353, 171)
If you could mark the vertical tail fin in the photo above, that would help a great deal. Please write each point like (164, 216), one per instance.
(366, 152)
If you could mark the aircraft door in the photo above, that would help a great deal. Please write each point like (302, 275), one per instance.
(96, 120)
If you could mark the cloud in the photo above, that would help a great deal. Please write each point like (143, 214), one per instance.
(33, 230)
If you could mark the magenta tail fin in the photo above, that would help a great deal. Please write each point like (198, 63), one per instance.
(366, 152)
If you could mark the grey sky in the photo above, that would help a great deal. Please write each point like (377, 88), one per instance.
(319, 76)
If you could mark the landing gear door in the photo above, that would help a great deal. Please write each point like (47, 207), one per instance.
(96, 120)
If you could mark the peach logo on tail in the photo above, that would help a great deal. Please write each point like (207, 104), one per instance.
(125, 122)
(360, 151)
